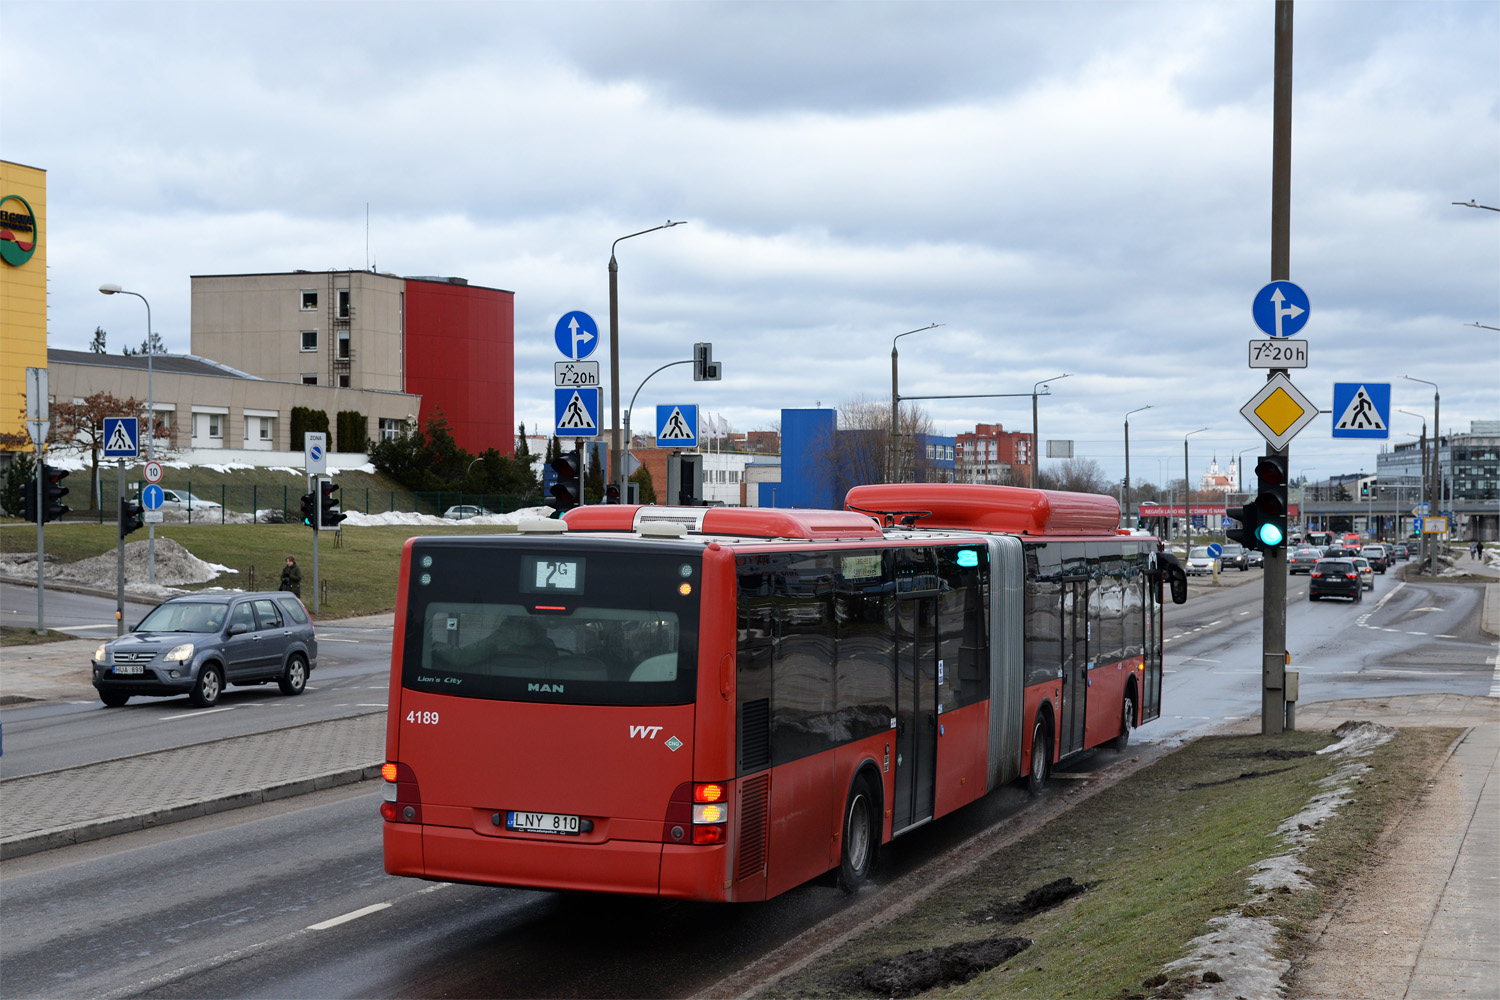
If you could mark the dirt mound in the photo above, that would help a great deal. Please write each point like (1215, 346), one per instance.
(1043, 897)
(919, 971)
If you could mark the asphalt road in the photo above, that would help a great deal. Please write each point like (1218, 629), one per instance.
(289, 899)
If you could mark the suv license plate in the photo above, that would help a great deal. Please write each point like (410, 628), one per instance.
(129, 668)
(525, 822)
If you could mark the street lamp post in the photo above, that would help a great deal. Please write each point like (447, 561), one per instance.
(1422, 489)
(890, 448)
(1036, 441)
(617, 466)
(1437, 471)
(1187, 490)
(112, 289)
(1127, 461)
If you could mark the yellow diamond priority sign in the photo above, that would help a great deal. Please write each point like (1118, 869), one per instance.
(1278, 411)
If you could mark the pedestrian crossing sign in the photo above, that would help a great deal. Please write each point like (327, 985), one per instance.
(577, 411)
(121, 437)
(677, 425)
(1361, 409)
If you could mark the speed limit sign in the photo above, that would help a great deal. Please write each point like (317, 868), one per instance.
(153, 472)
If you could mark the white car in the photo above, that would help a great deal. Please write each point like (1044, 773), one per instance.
(183, 500)
(1199, 562)
(464, 511)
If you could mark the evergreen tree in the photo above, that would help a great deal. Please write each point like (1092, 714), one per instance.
(22, 468)
(96, 346)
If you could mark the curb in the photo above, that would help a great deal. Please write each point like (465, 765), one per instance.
(46, 840)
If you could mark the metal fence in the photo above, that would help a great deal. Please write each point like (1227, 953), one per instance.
(282, 504)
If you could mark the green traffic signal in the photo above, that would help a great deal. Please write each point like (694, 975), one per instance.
(1269, 535)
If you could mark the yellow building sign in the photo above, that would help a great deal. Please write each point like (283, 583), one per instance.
(23, 292)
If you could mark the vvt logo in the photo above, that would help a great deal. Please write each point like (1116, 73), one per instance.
(644, 732)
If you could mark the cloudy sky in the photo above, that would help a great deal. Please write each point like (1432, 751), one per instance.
(1066, 187)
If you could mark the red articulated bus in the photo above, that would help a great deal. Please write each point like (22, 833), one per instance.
(723, 703)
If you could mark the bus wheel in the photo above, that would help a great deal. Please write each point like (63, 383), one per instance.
(861, 836)
(1127, 721)
(1041, 757)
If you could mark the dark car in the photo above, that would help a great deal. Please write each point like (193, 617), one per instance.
(1303, 560)
(1380, 557)
(1235, 555)
(1401, 551)
(198, 643)
(1335, 578)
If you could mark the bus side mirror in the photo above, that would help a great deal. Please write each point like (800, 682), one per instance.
(1174, 575)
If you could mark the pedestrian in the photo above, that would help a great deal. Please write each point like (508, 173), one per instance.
(1476, 549)
(291, 577)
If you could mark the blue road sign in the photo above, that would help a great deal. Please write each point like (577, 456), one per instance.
(577, 411)
(677, 425)
(1226, 522)
(1280, 309)
(121, 437)
(1361, 409)
(577, 335)
(151, 497)
(1215, 550)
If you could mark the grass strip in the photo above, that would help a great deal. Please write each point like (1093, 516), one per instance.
(12, 635)
(1161, 853)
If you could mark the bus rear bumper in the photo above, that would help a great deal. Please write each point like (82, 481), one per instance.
(450, 854)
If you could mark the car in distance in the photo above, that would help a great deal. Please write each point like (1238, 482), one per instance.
(1199, 562)
(1366, 572)
(183, 500)
(1335, 578)
(463, 512)
(1380, 557)
(1303, 560)
(1256, 558)
(195, 644)
(1235, 555)
(1401, 551)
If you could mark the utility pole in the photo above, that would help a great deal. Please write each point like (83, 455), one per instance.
(1273, 606)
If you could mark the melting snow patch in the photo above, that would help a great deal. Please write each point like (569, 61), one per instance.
(1241, 949)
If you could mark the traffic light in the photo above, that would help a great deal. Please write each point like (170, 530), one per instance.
(52, 493)
(130, 516)
(705, 368)
(310, 509)
(329, 514)
(567, 492)
(1270, 502)
(612, 493)
(1364, 490)
(1249, 518)
(28, 500)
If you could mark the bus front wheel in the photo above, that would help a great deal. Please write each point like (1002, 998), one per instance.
(861, 836)
(1041, 756)
(1127, 721)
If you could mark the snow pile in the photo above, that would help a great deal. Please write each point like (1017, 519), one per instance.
(357, 519)
(175, 567)
(1256, 971)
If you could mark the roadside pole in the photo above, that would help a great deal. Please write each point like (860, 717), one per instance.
(1273, 605)
(315, 485)
(41, 585)
(120, 555)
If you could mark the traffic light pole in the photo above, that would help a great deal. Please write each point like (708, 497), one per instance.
(1273, 607)
(315, 485)
(41, 586)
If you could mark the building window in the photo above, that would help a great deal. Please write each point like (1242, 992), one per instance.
(343, 345)
(343, 381)
(265, 428)
(216, 425)
(309, 300)
(309, 380)
(309, 340)
(390, 429)
(343, 301)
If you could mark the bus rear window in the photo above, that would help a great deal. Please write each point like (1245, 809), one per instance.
(479, 625)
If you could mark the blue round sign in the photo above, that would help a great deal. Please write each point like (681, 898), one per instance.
(151, 497)
(1280, 309)
(577, 335)
(1215, 550)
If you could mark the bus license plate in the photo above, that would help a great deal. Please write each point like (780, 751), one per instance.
(129, 668)
(525, 822)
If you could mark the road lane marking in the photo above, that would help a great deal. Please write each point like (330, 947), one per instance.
(364, 705)
(197, 714)
(1442, 635)
(351, 915)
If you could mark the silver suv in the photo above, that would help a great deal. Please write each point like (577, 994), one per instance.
(198, 643)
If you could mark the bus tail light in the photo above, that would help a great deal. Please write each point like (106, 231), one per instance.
(698, 813)
(403, 802)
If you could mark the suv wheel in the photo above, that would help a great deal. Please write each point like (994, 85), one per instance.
(293, 680)
(209, 686)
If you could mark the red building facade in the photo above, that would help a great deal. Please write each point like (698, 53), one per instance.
(460, 358)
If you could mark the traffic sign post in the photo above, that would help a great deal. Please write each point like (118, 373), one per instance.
(677, 425)
(121, 437)
(1279, 411)
(1274, 353)
(575, 374)
(1280, 309)
(153, 472)
(576, 334)
(576, 412)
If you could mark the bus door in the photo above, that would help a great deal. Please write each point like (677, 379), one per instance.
(916, 710)
(1075, 665)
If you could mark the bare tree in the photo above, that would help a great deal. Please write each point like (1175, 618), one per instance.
(1076, 475)
(82, 424)
(857, 451)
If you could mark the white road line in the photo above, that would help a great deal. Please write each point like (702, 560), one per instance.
(1441, 635)
(352, 915)
(1416, 633)
(197, 714)
(324, 638)
(1495, 684)
(381, 705)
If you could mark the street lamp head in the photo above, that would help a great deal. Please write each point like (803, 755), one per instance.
(110, 289)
